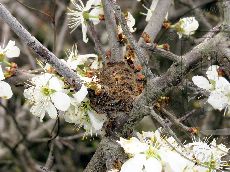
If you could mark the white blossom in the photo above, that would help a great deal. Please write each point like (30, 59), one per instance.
(81, 14)
(218, 87)
(154, 151)
(96, 121)
(74, 115)
(206, 157)
(186, 26)
(130, 20)
(74, 59)
(5, 89)
(47, 94)
(83, 116)
(10, 51)
(144, 156)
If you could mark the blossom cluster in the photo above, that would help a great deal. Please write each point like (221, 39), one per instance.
(184, 27)
(7, 52)
(93, 12)
(217, 85)
(48, 93)
(151, 151)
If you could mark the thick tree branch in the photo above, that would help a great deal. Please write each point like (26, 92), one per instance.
(175, 74)
(159, 86)
(155, 23)
(20, 77)
(116, 53)
(141, 55)
(225, 6)
(42, 51)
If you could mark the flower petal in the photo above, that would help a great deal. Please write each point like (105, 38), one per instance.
(88, 5)
(51, 110)
(153, 163)
(1, 74)
(5, 90)
(131, 22)
(38, 109)
(73, 115)
(173, 161)
(81, 94)
(61, 100)
(13, 52)
(97, 120)
(133, 145)
(9, 45)
(218, 100)
(56, 84)
(41, 80)
(223, 85)
(84, 32)
(201, 82)
(134, 164)
(189, 25)
(212, 73)
(29, 93)
(95, 12)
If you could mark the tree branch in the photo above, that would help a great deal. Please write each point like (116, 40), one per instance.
(98, 46)
(161, 52)
(42, 51)
(160, 120)
(116, 53)
(174, 120)
(155, 23)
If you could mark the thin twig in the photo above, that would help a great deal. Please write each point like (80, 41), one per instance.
(50, 159)
(187, 115)
(160, 120)
(36, 10)
(163, 53)
(73, 137)
(61, 36)
(174, 120)
(96, 41)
